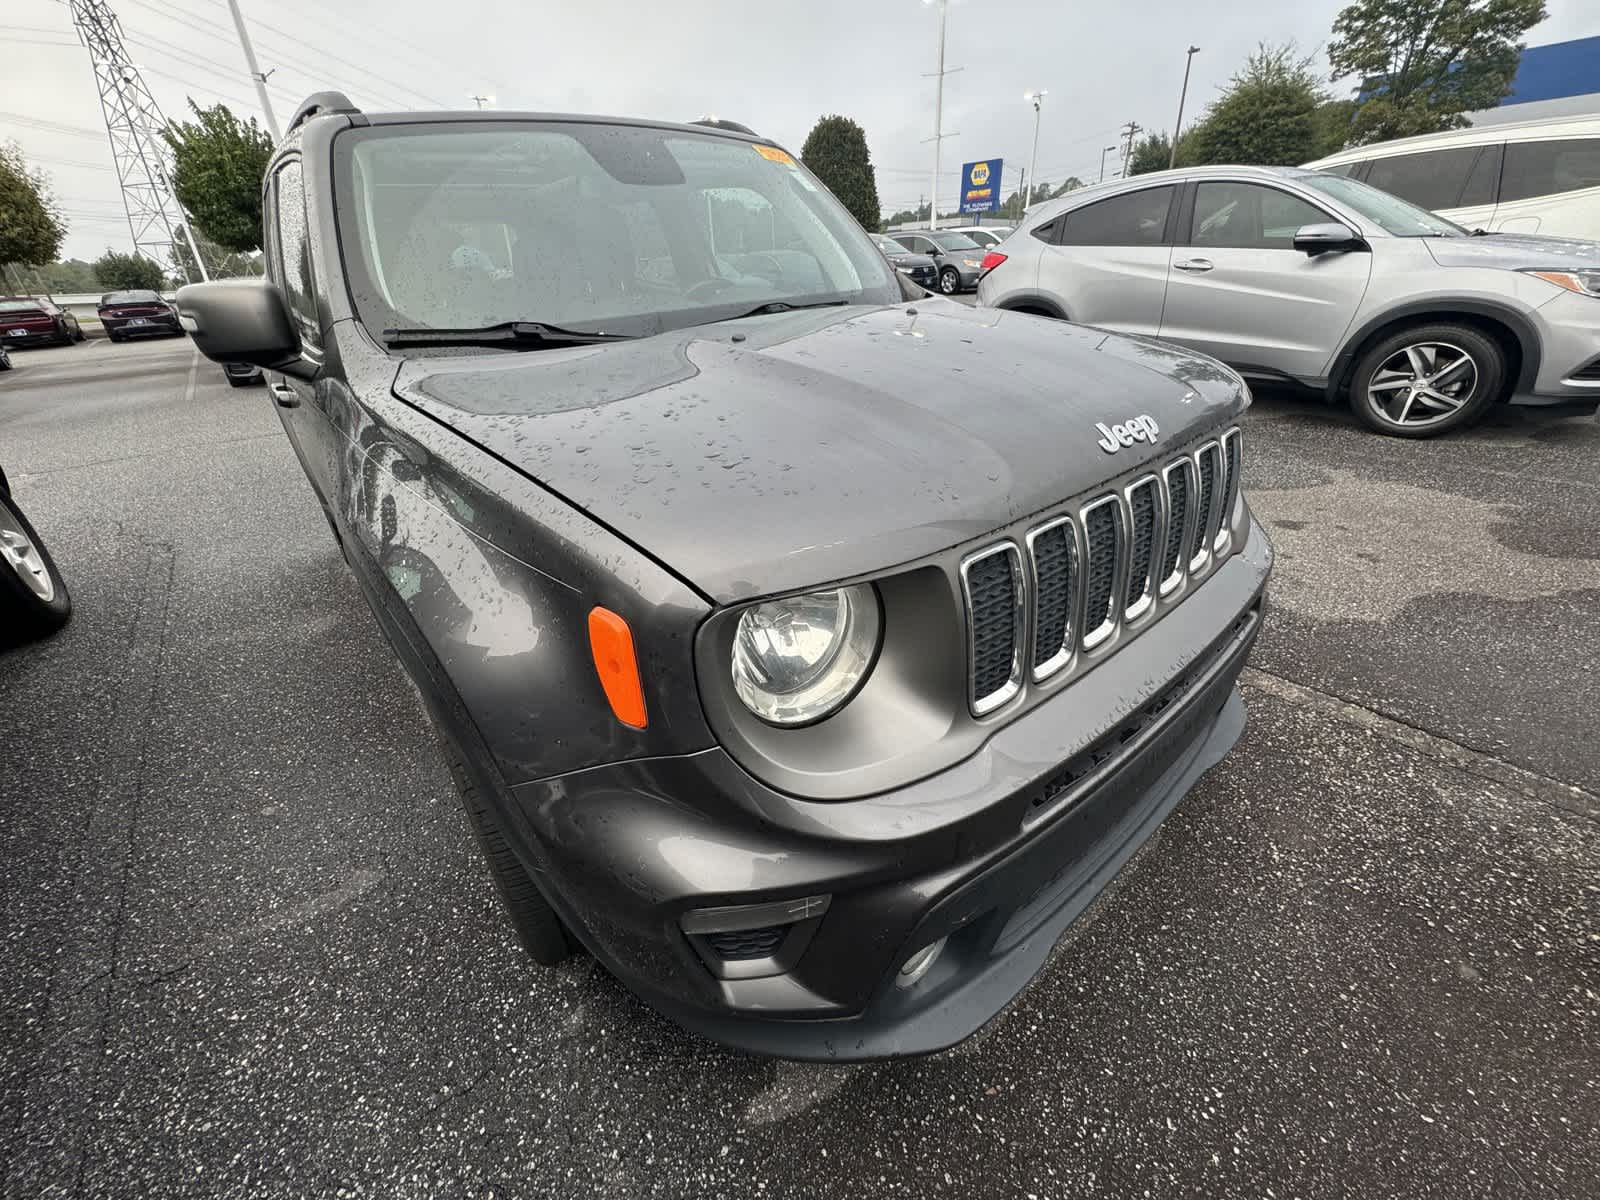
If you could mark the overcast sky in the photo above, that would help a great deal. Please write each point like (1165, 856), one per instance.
(774, 66)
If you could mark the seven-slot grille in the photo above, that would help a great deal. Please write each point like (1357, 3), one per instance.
(1090, 571)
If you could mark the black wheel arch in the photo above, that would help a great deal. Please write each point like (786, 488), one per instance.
(1507, 326)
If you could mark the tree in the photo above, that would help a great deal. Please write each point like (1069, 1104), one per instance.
(1332, 123)
(31, 228)
(73, 275)
(1266, 115)
(1152, 153)
(836, 152)
(1424, 63)
(218, 163)
(119, 272)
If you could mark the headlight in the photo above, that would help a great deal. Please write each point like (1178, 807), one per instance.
(797, 660)
(973, 262)
(1586, 283)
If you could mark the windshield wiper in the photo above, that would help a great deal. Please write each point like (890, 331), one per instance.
(1485, 233)
(779, 306)
(521, 334)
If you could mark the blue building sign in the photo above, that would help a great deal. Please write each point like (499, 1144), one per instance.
(980, 186)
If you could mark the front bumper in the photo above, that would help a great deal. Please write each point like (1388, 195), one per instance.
(997, 854)
(1569, 338)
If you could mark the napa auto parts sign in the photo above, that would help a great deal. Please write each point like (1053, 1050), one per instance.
(980, 186)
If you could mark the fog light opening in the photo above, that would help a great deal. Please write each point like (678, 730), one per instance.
(919, 964)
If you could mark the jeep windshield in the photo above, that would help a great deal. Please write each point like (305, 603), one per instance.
(589, 228)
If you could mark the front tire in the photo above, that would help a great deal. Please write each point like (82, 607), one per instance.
(1427, 380)
(538, 928)
(949, 281)
(32, 591)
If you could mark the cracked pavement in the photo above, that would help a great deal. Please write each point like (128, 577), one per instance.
(247, 948)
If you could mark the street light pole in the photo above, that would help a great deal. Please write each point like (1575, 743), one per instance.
(938, 119)
(255, 71)
(1177, 126)
(1037, 97)
(1103, 154)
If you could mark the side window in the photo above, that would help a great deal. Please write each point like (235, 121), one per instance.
(1549, 168)
(1250, 216)
(1483, 183)
(1433, 179)
(294, 252)
(1050, 231)
(915, 244)
(1136, 219)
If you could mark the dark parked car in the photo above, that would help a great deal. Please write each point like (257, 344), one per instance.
(918, 268)
(243, 374)
(813, 685)
(137, 313)
(33, 596)
(958, 257)
(36, 320)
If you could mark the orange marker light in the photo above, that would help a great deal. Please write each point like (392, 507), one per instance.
(611, 643)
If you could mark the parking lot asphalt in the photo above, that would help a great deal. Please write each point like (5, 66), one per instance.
(247, 948)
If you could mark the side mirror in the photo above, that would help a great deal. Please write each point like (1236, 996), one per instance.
(1321, 239)
(242, 321)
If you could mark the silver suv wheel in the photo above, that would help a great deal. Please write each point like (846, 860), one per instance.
(1423, 384)
(1427, 380)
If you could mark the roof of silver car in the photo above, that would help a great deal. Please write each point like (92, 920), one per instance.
(1112, 186)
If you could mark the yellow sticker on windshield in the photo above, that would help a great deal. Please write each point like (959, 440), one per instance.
(773, 154)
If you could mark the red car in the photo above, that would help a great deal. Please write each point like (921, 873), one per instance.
(130, 314)
(30, 320)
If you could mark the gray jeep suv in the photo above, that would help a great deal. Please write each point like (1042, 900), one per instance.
(1308, 277)
(812, 695)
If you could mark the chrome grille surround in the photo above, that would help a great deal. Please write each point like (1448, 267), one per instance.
(1232, 450)
(1178, 483)
(1140, 590)
(1067, 646)
(1103, 567)
(978, 617)
(1207, 471)
(1104, 551)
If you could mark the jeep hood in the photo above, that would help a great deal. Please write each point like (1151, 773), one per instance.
(780, 452)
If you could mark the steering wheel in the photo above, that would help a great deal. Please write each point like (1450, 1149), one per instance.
(708, 287)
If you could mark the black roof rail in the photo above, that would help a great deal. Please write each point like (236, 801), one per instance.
(318, 103)
(719, 123)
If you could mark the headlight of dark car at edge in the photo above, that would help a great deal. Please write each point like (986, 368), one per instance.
(798, 659)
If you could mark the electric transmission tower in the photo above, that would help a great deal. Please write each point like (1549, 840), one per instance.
(134, 122)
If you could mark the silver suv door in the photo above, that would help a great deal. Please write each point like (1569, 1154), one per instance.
(1106, 263)
(1241, 292)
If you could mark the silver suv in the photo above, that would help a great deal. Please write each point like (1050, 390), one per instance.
(1305, 277)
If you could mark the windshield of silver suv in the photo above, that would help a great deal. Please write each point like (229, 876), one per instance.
(594, 228)
(1389, 213)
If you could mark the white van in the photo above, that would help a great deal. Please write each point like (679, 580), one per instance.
(1533, 177)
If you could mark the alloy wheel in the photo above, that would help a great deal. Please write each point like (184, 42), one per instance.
(1422, 384)
(22, 556)
(949, 282)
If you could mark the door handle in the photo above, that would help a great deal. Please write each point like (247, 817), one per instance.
(284, 395)
(1195, 265)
